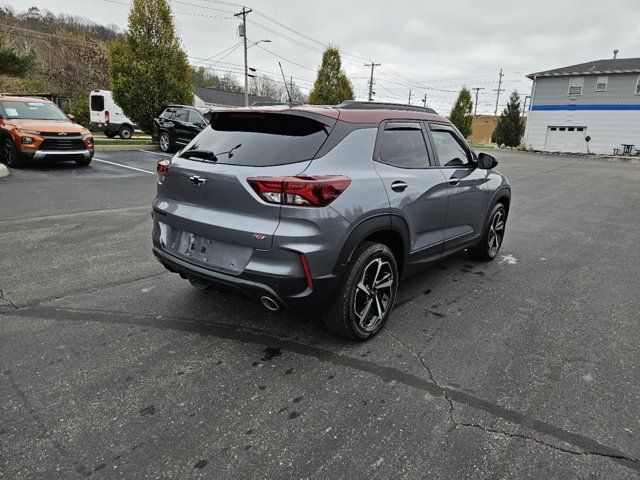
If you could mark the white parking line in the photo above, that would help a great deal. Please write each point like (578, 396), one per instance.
(123, 166)
(157, 153)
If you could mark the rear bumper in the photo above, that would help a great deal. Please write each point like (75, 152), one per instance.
(284, 290)
(56, 155)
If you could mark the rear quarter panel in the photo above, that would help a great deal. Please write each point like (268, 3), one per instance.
(321, 232)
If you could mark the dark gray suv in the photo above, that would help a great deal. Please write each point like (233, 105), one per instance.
(325, 208)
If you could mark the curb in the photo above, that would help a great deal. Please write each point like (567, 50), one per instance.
(4, 171)
(121, 148)
(633, 160)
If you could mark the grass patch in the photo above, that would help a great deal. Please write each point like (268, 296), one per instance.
(133, 142)
(481, 146)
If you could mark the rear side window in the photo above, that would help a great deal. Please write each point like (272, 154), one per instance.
(261, 139)
(402, 145)
(97, 103)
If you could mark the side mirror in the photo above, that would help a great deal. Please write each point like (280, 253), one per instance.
(71, 117)
(486, 161)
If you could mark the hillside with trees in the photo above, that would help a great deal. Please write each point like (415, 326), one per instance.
(60, 54)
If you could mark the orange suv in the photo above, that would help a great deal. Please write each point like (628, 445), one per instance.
(35, 129)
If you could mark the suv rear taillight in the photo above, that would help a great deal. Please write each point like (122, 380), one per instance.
(162, 168)
(302, 191)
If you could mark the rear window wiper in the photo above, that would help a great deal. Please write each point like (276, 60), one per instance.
(202, 155)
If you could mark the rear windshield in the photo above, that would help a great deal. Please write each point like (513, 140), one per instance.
(97, 103)
(260, 139)
(33, 111)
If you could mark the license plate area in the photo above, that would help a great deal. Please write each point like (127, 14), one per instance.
(211, 253)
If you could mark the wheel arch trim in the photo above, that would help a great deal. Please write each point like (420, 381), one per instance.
(370, 226)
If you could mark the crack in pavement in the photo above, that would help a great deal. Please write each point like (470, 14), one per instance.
(225, 331)
(42, 427)
(617, 456)
(2, 297)
(428, 369)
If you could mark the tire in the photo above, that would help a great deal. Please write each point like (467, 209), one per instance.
(489, 246)
(360, 311)
(164, 142)
(125, 132)
(110, 134)
(10, 154)
(83, 163)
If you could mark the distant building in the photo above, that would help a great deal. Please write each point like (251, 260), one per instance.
(214, 97)
(598, 100)
(482, 128)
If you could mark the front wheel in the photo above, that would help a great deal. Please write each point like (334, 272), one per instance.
(491, 240)
(83, 163)
(10, 154)
(367, 293)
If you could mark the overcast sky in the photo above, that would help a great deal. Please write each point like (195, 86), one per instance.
(426, 46)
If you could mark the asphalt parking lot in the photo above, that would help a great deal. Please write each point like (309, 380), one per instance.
(527, 367)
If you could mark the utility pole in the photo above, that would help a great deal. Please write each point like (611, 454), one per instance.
(495, 114)
(409, 96)
(424, 100)
(475, 106)
(244, 13)
(372, 65)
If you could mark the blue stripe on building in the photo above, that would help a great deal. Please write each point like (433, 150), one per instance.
(585, 107)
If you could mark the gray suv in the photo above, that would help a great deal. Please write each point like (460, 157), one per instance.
(325, 208)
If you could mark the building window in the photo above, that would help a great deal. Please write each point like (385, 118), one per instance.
(601, 84)
(638, 86)
(575, 86)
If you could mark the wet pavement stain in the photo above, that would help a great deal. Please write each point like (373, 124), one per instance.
(289, 371)
(270, 353)
(150, 410)
(293, 415)
(200, 464)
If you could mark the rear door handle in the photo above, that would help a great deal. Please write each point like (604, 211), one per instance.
(454, 181)
(399, 186)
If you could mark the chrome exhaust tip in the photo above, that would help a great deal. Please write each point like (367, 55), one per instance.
(269, 303)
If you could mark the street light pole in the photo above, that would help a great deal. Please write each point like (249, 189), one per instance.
(244, 13)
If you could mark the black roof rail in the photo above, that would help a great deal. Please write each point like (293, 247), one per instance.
(359, 105)
(265, 103)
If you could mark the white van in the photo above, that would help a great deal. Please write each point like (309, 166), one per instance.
(107, 116)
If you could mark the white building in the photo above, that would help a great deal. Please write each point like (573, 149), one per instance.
(591, 107)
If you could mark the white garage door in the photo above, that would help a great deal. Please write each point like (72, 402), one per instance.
(566, 139)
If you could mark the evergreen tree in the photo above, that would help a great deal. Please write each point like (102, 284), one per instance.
(510, 125)
(148, 68)
(332, 86)
(462, 112)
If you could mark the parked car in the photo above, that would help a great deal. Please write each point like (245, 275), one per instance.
(35, 129)
(177, 125)
(326, 208)
(105, 115)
